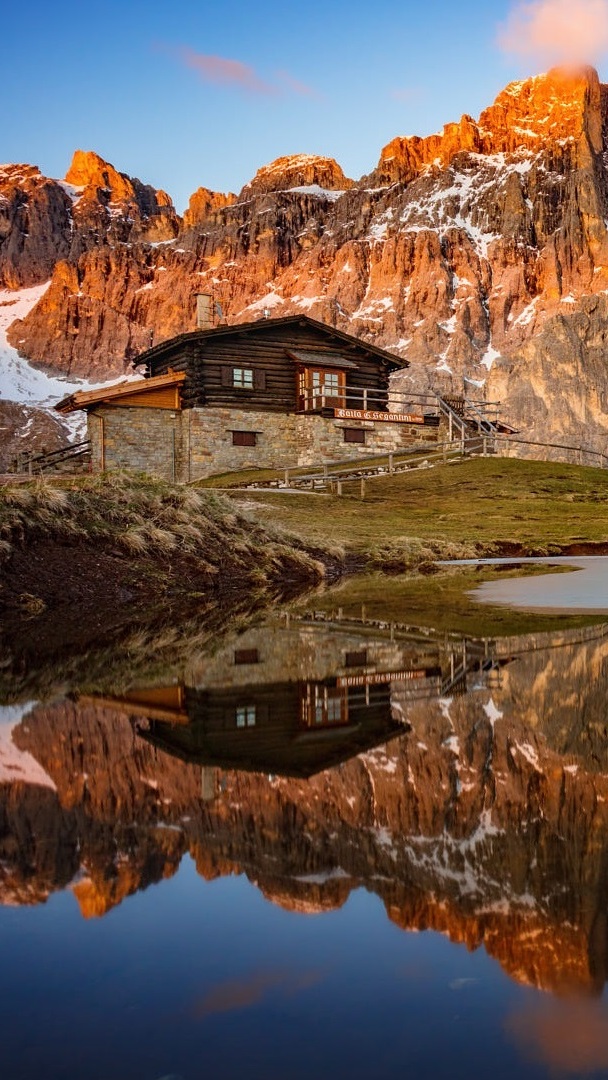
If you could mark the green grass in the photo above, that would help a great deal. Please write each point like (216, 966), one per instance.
(479, 505)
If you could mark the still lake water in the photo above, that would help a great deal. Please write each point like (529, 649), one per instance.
(316, 845)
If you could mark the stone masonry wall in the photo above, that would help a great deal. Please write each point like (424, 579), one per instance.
(196, 443)
(145, 440)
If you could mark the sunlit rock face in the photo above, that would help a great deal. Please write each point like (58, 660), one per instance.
(203, 205)
(485, 820)
(479, 253)
(35, 226)
(295, 172)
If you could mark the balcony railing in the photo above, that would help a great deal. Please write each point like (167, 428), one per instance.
(461, 413)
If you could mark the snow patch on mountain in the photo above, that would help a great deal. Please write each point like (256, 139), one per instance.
(20, 381)
(15, 764)
(316, 190)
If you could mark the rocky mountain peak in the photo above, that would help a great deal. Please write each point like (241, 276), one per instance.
(558, 106)
(111, 202)
(89, 170)
(479, 254)
(203, 204)
(35, 226)
(297, 171)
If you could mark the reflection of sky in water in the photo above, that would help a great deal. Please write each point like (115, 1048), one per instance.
(585, 589)
(207, 978)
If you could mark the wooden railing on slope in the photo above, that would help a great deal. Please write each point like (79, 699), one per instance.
(324, 477)
(35, 464)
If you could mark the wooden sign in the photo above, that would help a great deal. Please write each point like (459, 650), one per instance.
(364, 414)
(379, 677)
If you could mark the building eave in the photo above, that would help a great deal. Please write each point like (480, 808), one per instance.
(86, 399)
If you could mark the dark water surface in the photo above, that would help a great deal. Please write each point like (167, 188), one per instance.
(311, 846)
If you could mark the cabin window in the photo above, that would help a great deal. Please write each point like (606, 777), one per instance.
(323, 706)
(326, 382)
(246, 656)
(354, 435)
(245, 716)
(356, 658)
(318, 388)
(242, 378)
(244, 438)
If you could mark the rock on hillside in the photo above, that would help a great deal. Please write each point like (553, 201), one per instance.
(479, 254)
(26, 428)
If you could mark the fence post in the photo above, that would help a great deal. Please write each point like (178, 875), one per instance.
(339, 487)
(391, 467)
(485, 447)
(362, 489)
(286, 477)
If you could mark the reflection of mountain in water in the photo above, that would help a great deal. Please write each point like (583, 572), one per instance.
(477, 803)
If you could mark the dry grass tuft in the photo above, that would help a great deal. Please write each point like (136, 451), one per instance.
(134, 540)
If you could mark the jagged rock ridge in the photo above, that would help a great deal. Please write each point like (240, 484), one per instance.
(480, 253)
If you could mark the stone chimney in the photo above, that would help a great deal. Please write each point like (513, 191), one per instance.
(204, 311)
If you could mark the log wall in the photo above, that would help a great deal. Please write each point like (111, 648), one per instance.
(205, 360)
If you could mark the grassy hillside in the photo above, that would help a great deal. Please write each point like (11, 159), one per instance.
(92, 552)
(487, 505)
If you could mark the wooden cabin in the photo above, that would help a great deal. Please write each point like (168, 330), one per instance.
(294, 364)
(269, 394)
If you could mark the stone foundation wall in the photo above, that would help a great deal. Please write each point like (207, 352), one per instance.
(146, 440)
(197, 443)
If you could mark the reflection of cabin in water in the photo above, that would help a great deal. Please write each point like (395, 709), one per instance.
(289, 698)
(263, 394)
(288, 728)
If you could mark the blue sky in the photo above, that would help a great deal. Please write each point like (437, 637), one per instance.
(192, 94)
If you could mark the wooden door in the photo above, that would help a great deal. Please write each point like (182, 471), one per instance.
(320, 388)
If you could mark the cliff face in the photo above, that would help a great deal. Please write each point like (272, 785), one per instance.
(35, 226)
(479, 253)
(486, 821)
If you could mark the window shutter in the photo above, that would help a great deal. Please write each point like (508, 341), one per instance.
(259, 379)
(227, 376)
(354, 435)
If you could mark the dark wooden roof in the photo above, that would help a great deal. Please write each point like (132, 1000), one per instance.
(337, 337)
(317, 359)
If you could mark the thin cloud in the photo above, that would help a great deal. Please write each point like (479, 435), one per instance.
(250, 991)
(552, 32)
(570, 1037)
(296, 86)
(222, 71)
